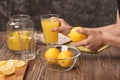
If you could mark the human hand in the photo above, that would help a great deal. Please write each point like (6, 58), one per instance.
(64, 27)
(94, 41)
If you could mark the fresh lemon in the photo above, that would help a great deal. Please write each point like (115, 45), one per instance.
(64, 58)
(75, 36)
(51, 55)
(8, 69)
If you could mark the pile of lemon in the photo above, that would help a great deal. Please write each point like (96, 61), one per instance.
(8, 67)
(63, 58)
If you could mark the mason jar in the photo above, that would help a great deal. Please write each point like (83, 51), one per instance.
(19, 30)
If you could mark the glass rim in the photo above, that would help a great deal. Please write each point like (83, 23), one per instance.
(20, 17)
(48, 16)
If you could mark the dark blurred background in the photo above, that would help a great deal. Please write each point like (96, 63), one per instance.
(86, 13)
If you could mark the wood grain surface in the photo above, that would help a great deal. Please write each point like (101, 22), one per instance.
(102, 66)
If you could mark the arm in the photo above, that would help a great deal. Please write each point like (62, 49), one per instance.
(111, 40)
(113, 29)
(97, 37)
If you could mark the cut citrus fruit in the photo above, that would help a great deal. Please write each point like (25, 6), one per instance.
(19, 63)
(8, 69)
(2, 62)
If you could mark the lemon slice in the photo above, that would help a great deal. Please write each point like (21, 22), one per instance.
(8, 69)
(2, 62)
(12, 60)
(19, 64)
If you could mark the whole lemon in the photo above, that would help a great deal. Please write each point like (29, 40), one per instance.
(51, 55)
(64, 58)
(75, 36)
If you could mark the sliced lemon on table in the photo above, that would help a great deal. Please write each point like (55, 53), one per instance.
(7, 69)
(19, 64)
(2, 62)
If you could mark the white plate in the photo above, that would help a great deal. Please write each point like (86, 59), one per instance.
(62, 39)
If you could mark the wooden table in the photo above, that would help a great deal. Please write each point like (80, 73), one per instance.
(102, 66)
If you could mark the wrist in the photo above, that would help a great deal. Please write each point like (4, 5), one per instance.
(103, 36)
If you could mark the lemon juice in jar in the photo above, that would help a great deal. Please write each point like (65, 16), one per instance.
(20, 32)
(14, 38)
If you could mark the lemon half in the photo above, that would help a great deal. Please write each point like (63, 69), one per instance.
(8, 68)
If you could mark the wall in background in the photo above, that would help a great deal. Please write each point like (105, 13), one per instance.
(87, 13)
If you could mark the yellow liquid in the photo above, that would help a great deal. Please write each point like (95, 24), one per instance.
(49, 36)
(14, 40)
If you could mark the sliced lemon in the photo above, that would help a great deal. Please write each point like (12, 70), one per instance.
(8, 69)
(11, 60)
(2, 62)
(19, 63)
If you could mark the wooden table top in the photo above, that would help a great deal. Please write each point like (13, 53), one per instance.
(102, 66)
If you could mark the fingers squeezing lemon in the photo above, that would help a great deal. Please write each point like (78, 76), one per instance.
(75, 36)
(9, 67)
